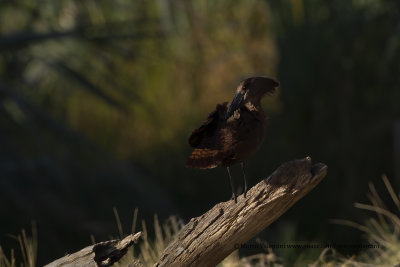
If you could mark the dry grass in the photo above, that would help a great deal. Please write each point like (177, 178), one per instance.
(28, 250)
(149, 250)
(267, 259)
(381, 230)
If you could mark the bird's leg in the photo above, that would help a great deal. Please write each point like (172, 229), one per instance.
(232, 185)
(244, 178)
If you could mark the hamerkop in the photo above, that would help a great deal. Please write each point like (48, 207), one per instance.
(232, 133)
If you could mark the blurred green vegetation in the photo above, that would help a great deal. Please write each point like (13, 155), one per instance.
(97, 99)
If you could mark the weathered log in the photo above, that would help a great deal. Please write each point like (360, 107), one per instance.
(208, 239)
(101, 254)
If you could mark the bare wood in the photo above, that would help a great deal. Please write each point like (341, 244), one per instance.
(101, 254)
(208, 239)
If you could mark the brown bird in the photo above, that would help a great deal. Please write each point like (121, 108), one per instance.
(232, 133)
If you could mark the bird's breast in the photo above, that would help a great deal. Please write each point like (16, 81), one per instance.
(244, 138)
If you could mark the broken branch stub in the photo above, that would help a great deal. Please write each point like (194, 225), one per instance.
(101, 254)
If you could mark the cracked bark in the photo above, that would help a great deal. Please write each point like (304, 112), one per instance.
(209, 238)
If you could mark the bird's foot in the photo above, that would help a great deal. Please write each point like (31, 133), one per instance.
(245, 191)
(234, 197)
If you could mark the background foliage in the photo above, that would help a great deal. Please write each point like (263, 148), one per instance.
(97, 99)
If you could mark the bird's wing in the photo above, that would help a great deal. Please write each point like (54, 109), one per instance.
(208, 152)
(209, 125)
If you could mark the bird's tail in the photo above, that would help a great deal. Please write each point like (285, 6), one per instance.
(204, 158)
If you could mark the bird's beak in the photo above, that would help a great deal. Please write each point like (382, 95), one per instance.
(236, 102)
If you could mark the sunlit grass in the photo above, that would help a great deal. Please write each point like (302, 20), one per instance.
(28, 250)
(266, 259)
(149, 249)
(381, 230)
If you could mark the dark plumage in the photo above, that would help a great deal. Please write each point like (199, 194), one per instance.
(232, 133)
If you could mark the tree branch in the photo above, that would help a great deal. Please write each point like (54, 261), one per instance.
(208, 239)
(101, 254)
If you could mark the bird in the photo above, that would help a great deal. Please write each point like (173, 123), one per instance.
(234, 131)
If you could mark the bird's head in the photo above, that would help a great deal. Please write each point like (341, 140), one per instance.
(252, 90)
